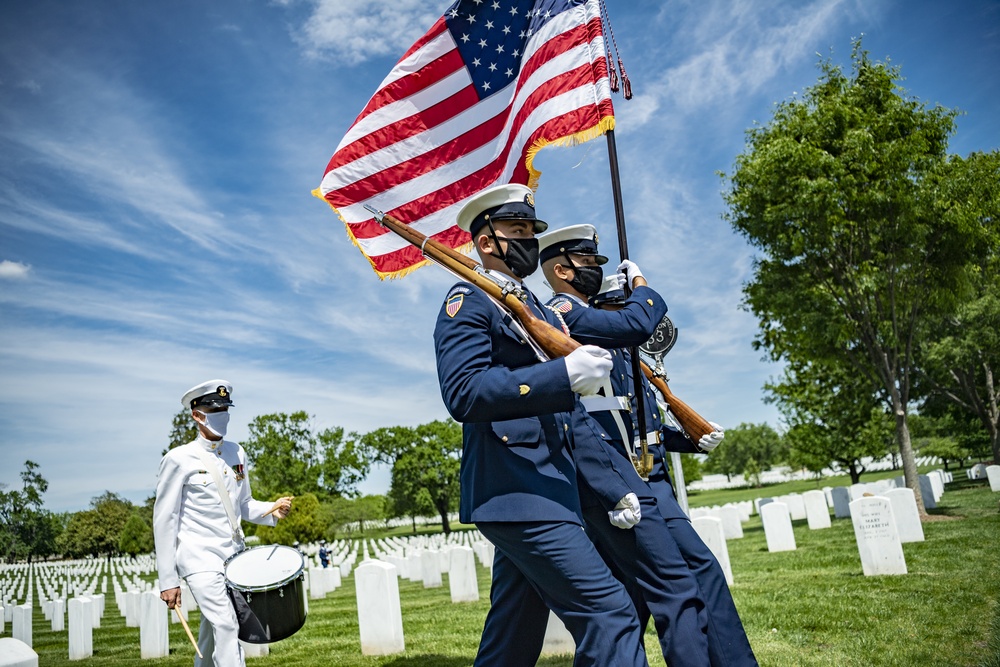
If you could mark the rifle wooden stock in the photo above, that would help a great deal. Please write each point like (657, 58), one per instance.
(693, 424)
(553, 341)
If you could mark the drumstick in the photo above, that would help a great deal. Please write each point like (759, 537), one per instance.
(180, 617)
(275, 509)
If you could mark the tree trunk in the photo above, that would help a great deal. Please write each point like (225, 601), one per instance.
(413, 518)
(445, 526)
(852, 467)
(906, 453)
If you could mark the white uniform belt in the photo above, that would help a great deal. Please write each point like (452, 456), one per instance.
(601, 403)
(653, 438)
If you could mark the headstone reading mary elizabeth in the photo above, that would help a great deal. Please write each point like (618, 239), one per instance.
(878, 540)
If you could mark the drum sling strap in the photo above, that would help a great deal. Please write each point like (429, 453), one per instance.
(249, 624)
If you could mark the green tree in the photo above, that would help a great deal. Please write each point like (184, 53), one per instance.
(425, 466)
(836, 194)
(136, 536)
(304, 523)
(352, 514)
(98, 530)
(833, 416)
(183, 430)
(747, 449)
(26, 528)
(289, 456)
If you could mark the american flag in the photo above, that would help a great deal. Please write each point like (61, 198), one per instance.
(467, 107)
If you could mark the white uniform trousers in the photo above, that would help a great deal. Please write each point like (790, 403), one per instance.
(218, 637)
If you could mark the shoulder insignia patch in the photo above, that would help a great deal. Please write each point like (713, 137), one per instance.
(453, 304)
(524, 389)
(562, 305)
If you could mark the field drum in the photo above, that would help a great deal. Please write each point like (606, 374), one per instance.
(267, 587)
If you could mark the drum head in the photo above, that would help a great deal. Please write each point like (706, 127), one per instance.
(263, 568)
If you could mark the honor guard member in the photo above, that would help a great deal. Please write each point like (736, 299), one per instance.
(603, 325)
(518, 471)
(192, 526)
(646, 557)
(727, 640)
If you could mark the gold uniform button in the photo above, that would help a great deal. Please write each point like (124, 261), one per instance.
(524, 389)
(504, 438)
(649, 301)
(565, 427)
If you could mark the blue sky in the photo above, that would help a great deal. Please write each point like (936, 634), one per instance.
(157, 227)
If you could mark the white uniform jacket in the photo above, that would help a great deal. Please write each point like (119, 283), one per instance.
(190, 525)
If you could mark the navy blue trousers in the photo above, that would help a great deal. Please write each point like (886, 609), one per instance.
(657, 578)
(728, 645)
(542, 566)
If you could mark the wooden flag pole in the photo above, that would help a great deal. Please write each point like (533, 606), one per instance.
(180, 617)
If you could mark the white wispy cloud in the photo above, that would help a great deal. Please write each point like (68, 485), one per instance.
(353, 32)
(10, 270)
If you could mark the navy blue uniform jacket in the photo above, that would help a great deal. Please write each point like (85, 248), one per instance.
(518, 417)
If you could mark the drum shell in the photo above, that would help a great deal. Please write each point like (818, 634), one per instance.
(268, 612)
(280, 612)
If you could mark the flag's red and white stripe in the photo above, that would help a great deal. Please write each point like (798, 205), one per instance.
(425, 143)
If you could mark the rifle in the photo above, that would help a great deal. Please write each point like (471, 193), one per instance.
(553, 342)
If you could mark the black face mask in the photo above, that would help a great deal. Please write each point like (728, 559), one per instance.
(587, 280)
(521, 256)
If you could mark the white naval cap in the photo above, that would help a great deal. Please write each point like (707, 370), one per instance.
(502, 202)
(611, 291)
(214, 393)
(575, 239)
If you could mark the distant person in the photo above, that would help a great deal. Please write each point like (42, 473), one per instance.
(192, 526)
(324, 555)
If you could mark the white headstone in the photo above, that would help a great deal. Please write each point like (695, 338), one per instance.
(878, 541)
(462, 576)
(154, 642)
(858, 490)
(558, 640)
(904, 511)
(414, 563)
(133, 609)
(977, 471)
(731, 526)
(81, 636)
(259, 650)
(430, 568)
(97, 609)
(796, 506)
(58, 615)
(15, 653)
(712, 533)
(21, 623)
(937, 484)
(993, 474)
(841, 502)
(777, 527)
(317, 583)
(380, 618)
(927, 492)
(817, 511)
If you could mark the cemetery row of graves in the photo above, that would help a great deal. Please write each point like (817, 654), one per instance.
(70, 602)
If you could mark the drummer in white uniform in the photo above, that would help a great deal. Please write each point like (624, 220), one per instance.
(192, 527)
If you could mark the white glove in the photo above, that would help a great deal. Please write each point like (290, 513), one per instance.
(620, 281)
(588, 366)
(626, 513)
(710, 441)
(631, 271)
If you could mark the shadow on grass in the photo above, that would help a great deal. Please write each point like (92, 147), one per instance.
(429, 661)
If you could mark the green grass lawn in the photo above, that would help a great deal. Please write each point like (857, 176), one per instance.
(809, 607)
